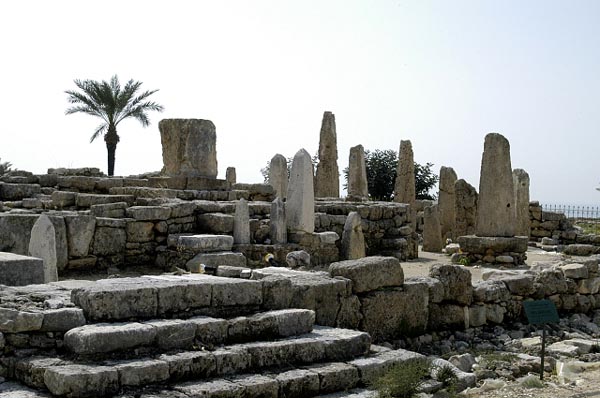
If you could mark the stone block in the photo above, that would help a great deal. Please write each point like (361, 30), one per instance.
(62, 319)
(18, 270)
(149, 213)
(110, 210)
(82, 380)
(80, 231)
(205, 243)
(235, 292)
(588, 286)
(11, 192)
(480, 245)
(109, 337)
(15, 232)
(209, 330)
(78, 183)
(369, 273)
(104, 185)
(580, 250)
(456, 281)
(575, 271)
(142, 372)
(173, 333)
(336, 376)
(109, 241)
(177, 294)
(298, 383)
(447, 316)
(215, 223)
(86, 201)
(190, 364)
(490, 291)
(140, 231)
(14, 321)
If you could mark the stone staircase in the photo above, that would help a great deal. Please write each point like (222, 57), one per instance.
(197, 335)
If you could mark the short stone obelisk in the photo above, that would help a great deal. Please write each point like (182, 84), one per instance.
(278, 175)
(432, 232)
(278, 224)
(521, 185)
(300, 205)
(241, 223)
(465, 208)
(43, 245)
(496, 205)
(353, 239)
(358, 187)
(446, 201)
(327, 179)
(404, 191)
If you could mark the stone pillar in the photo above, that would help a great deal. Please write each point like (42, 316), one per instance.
(465, 208)
(43, 245)
(353, 240)
(278, 175)
(432, 231)
(230, 175)
(521, 185)
(189, 147)
(404, 191)
(358, 187)
(446, 201)
(300, 205)
(241, 223)
(278, 226)
(327, 179)
(496, 205)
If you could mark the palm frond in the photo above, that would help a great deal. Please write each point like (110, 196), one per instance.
(99, 130)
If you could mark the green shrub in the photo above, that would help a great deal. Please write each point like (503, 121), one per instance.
(404, 379)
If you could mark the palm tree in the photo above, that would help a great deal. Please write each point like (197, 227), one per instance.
(112, 104)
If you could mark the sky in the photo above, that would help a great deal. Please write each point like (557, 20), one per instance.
(441, 74)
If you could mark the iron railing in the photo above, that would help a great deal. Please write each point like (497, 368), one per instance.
(575, 213)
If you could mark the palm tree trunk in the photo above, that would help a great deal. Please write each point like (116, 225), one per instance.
(111, 138)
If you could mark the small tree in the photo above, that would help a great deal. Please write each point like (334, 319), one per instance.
(381, 175)
(5, 167)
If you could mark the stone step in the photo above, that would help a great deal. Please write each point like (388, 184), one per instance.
(184, 334)
(149, 297)
(81, 379)
(205, 243)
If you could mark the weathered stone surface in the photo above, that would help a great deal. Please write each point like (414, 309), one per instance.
(13, 321)
(62, 319)
(518, 283)
(149, 213)
(480, 244)
(18, 270)
(490, 291)
(278, 175)
(82, 380)
(358, 188)
(241, 223)
(110, 210)
(369, 273)
(173, 333)
(298, 258)
(216, 260)
(446, 202)
(432, 231)
(278, 222)
(205, 243)
(109, 241)
(216, 223)
(496, 203)
(575, 271)
(233, 292)
(327, 177)
(230, 175)
(588, 286)
(300, 205)
(298, 383)
(87, 200)
(521, 187)
(139, 231)
(465, 208)
(404, 191)
(372, 368)
(456, 281)
(189, 147)
(353, 240)
(43, 245)
(109, 337)
(15, 232)
(336, 376)
(9, 192)
(447, 316)
(580, 249)
(80, 231)
(141, 372)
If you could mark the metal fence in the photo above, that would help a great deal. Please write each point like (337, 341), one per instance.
(576, 213)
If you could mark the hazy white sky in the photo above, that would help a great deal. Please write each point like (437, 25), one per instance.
(439, 73)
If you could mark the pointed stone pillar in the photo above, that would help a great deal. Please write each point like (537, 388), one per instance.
(327, 179)
(465, 208)
(496, 205)
(278, 225)
(230, 175)
(432, 232)
(278, 175)
(446, 201)
(521, 185)
(241, 223)
(353, 239)
(43, 245)
(358, 187)
(404, 191)
(300, 205)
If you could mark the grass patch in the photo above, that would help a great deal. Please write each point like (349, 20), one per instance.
(404, 379)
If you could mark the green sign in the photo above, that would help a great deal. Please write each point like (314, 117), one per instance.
(540, 312)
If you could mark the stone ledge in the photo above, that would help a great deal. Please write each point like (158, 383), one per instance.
(481, 244)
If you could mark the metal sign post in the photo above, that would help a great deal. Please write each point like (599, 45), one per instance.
(541, 312)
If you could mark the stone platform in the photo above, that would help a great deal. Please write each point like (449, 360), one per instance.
(494, 250)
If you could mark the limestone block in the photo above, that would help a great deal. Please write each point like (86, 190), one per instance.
(432, 231)
(298, 258)
(496, 203)
(490, 291)
(369, 273)
(447, 316)
(111, 222)
(104, 185)
(11, 192)
(278, 175)
(15, 232)
(465, 208)
(18, 270)
(395, 312)
(434, 287)
(78, 183)
(182, 209)
(82, 380)
(233, 292)
(215, 260)
(108, 241)
(109, 337)
(373, 367)
(357, 175)
(477, 316)
(190, 364)
(446, 202)
(189, 147)
(298, 383)
(14, 321)
(521, 187)
(48, 180)
(480, 245)
(278, 223)
(404, 190)
(336, 376)
(139, 231)
(552, 281)
(456, 281)
(149, 213)
(520, 284)
(257, 385)
(142, 372)
(580, 250)
(205, 243)
(241, 223)
(353, 239)
(110, 210)
(43, 244)
(216, 223)
(209, 330)
(300, 205)
(495, 313)
(588, 286)
(62, 319)
(176, 294)
(85, 200)
(62, 199)
(173, 333)
(80, 231)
